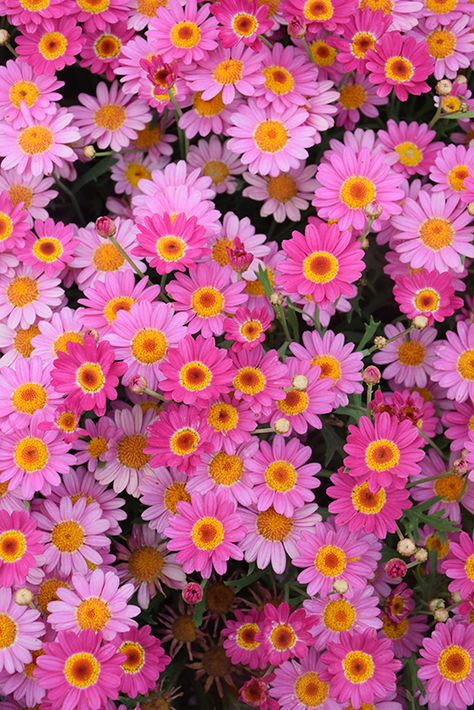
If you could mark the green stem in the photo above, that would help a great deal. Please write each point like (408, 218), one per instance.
(73, 199)
(183, 141)
(316, 320)
(434, 446)
(265, 41)
(10, 49)
(369, 394)
(264, 430)
(437, 115)
(390, 340)
(152, 393)
(427, 479)
(127, 258)
(282, 318)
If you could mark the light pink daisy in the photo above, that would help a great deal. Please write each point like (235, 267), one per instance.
(427, 293)
(216, 161)
(26, 295)
(20, 547)
(452, 166)
(459, 422)
(352, 181)
(25, 390)
(239, 234)
(19, 84)
(284, 196)
(240, 643)
(73, 534)
(357, 96)
(97, 438)
(147, 564)
(54, 335)
(142, 336)
(52, 46)
(129, 169)
(38, 147)
(21, 632)
(170, 243)
(260, 379)
(101, 50)
(409, 358)
(247, 328)
(30, 193)
(270, 141)
(321, 108)
(160, 493)
(52, 249)
(403, 14)
(437, 12)
(290, 79)
(129, 70)
(186, 33)
(295, 683)
(454, 364)
(449, 44)
(145, 660)
(409, 147)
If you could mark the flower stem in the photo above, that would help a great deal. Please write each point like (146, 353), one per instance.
(434, 446)
(73, 199)
(437, 116)
(127, 258)
(152, 393)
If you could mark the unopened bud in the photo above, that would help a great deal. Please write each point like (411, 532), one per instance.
(89, 152)
(395, 568)
(93, 332)
(373, 210)
(419, 322)
(276, 299)
(435, 604)
(296, 28)
(406, 547)
(470, 208)
(371, 375)
(456, 597)
(300, 382)
(137, 384)
(441, 615)
(238, 257)
(444, 87)
(464, 107)
(192, 593)
(105, 227)
(460, 467)
(380, 342)
(364, 243)
(421, 555)
(282, 426)
(4, 37)
(24, 597)
(340, 586)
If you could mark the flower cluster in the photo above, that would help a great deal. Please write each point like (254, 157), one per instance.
(236, 354)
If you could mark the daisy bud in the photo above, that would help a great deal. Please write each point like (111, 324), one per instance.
(192, 593)
(89, 152)
(4, 37)
(444, 87)
(470, 208)
(364, 243)
(282, 426)
(406, 547)
(340, 586)
(105, 227)
(24, 597)
(421, 555)
(239, 258)
(373, 210)
(441, 615)
(463, 107)
(380, 342)
(93, 333)
(460, 467)
(456, 598)
(420, 322)
(300, 382)
(436, 604)
(276, 299)
(137, 384)
(395, 568)
(296, 28)
(371, 375)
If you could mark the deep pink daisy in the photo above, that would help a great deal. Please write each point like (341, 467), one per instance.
(53, 45)
(14, 223)
(459, 565)
(186, 33)
(454, 364)
(145, 660)
(96, 15)
(284, 634)
(247, 328)
(362, 32)
(170, 244)
(19, 547)
(241, 21)
(101, 50)
(317, 15)
(241, 645)
(459, 422)
(52, 249)
(427, 293)
(260, 379)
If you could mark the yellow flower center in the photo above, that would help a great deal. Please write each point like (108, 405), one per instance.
(130, 451)
(454, 663)
(115, 305)
(352, 96)
(20, 193)
(456, 177)
(67, 421)
(217, 170)
(281, 476)
(67, 536)
(366, 502)
(270, 136)
(195, 376)
(82, 670)
(382, 455)
(47, 593)
(47, 249)
(358, 667)
(441, 7)
(223, 417)
(278, 79)
(209, 108)
(469, 567)
(386, 6)
(207, 302)
(22, 291)
(361, 43)
(26, 91)
(8, 631)
(149, 7)
(134, 172)
(149, 345)
(339, 615)
(318, 10)
(12, 546)
(92, 613)
(399, 69)
(219, 251)
(31, 454)
(427, 299)
(331, 561)
(145, 564)
(294, 403)
(273, 526)
(245, 637)
(357, 192)
(135, 656)
(53, 45)
(95, 7)
(35, 140)
(465, 364)
(23, 338)
(34, 5)
(409, 154)
(226, 469)
(207, 533)
(148, 137)
(107, 258)
(434, 544)
(250, 330)
(320, 267)
(185, 35)
(107, 46)
(90, 377)
(322, 54)
(244, 24)
(441, 43)
(329, 365)
(282, 637)
(411, 353)
(310, 690)
(184, 441)
(282, 187)
(29, 397)
(436, 233)
(449, 488)
(451, 104)
(229, 71)
(110, 117)
(174, 494)
(394, 630)
(61, 343)
(250, 380)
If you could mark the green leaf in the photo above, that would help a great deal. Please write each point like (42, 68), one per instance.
(333, 443)
(262, 276)
(246, 581)
(97, 170)
(370, 329)
(458, 114)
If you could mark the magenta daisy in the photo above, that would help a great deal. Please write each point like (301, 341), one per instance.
(101, 50)
(242, 21)
(97, 602)
(409, 147)
(260, 379)
(459, 565)
(19, 84)
(427, 293)
(25, 390)
(270, 141)
(238, 235)
(454, 364)
(362, 32)
(111, 118)
(95, 15)
(30, 14)
(231, 422)
(216, 161)
(360, 668)
(79, 671)
(356, 506)
(452, 167)
(296, 684)
(52, 249)
(160, 493)
(328, 15)
(183, 33)
(282, 476)
(284, 196)
(39, 147)
(73, 534)
(410, 357)
(289, 78)
(144, 662)
(52, 46)
(142, 336)
(247, 328)
(284, 634)
(321, 263)
(170, 243)
(352, 181)
(383, 452)
(400, 63)
(207, 296)
(87, 374)
(446, 666)
(204, 532)
(21, 630)
(20, 547)
(241, 645)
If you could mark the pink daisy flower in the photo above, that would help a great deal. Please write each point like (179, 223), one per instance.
(352, 181)
(111, 118)
(403, 14)
(160, 493)
(226, 72)
(247, 328)
(95, 16)
(147, 564)
(406, 635)
(142, 337)
(284, 634)
(328, 15)
(449, 44)
(54, 335)
(216, 161)
(206, 116)
(101, 50)
(129, 70)
(446, 666)
(97, 602)
(183, 33)
(170, 243)
(459, 422)
(284, 196)
(79, 671)
(73, 534)
(20, 547)
(362, 32)
(19, 84)
(33, 458)
(360, 668)
(239, 234)
(206, 296)
(242, 21)
(282, 476)
(21, 631)
(105, 299)
(357, 96)
(204, 532)
(459, 565)
(196, 371)
(271, 535)
(409, 147)
(30, 193)
(40, 146)
(30, 15)
(260, 379)
(130, 169)
(402, 63)
(437, 12)
(452, 166)
(433, 233)
(52, 249)
(329, 553)
(427, 293)
(321, 263)
(409, 358)
(270, 141)
(88, 375)
(384, 452)
(145, 660)
(321, 108)
(454, 364)
(26, 295)
(52, 46)
(241, 645)
(289, 78)
(295, 683)
(357, 507)
(231, 422)
(178, 438)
